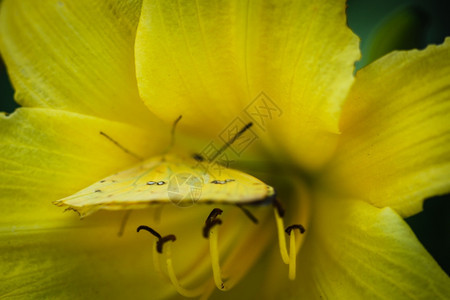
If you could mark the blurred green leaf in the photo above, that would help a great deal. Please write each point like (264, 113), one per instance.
(403, 29)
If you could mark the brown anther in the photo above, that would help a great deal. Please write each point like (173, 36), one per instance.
(211, 221)
(161, 240)
(152, 231)
(295, 226)
(213, 214)
(210, 225)
(279, 207)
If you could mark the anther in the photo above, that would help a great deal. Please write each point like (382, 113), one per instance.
(152, 231)
(295, 226)
(213, 214)
(170, 270)
(209, 226)
(211, 221)
(161, 241)
(279, 207)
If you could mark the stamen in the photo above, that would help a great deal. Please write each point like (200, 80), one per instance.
(157, 249)
(210, 231)
(295, 226)
(279, 207)
(146, 228)
(214, 253)
(174, 280)
(292, 257)
(293, 249)
(213, 214)
(163, 240)
(209, 226)
(281, 238)
(212, 221)
(156, 262)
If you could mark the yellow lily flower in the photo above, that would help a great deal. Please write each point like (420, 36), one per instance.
(349, 156)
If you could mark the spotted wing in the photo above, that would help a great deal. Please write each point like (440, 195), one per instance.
(168, 179)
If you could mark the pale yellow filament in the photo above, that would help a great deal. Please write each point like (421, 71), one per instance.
(190, 293)
(156, 262)
(292, 256)
(281, 237)
(214, 253)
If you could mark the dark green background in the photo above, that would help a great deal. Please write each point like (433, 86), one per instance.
(418, 23)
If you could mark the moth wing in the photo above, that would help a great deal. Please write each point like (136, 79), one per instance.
(168, 179)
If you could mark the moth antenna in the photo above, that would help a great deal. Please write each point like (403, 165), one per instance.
(232, 140)
(172, 133)
(248, 213)
(138, 157)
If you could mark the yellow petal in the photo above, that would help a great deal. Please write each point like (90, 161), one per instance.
(189, 61)
(63, 257)
(395, 147)
(356, 251)
(45, 253)
(301, 54)
(79, 259)
(74, 55)
(209, 60)
(48, 154)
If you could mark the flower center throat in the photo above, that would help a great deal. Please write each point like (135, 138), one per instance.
(162, 246)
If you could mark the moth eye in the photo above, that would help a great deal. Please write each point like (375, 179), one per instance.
(161, 182)
(151, 182)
